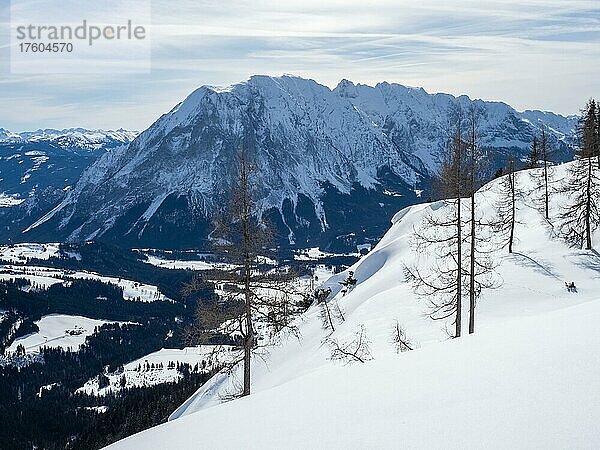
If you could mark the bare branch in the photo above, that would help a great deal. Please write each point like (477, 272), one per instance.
(357, 350)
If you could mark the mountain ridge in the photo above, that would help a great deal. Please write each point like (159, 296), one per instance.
(84, 134)
(324, 155)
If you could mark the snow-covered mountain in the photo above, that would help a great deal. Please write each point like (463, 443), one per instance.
(8, 135)
(334, 165)
(71, 138)
(37, 169)
(527, 378)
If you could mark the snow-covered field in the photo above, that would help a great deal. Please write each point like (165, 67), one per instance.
(177, 264)
(197, 264)
(9, 200)
(58, 330)
(184, 264)
(20, 253)
(314, 253)
(526, 379)
(147, 371)
(43, 277)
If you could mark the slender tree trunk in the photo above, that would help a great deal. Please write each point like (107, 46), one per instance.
(598, 137)
(588, 207)
(472, 269)
(546, 200)
(459, 180)
(458, 322)
(546, 188)
(544, 142)
(328, 313)
(511, 181)
(473, 168)
(249, 338)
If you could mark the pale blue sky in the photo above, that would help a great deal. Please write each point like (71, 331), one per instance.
(542, 54)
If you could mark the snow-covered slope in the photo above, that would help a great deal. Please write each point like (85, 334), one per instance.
(156, 368)
(325, 157)
(526, 379)
(529, 385)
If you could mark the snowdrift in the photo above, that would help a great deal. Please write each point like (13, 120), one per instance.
(526, 379)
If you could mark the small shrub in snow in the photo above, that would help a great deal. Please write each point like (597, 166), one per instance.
(399, 339)
(357, 350)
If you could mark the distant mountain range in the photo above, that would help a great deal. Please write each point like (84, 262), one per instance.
(38, 168)
(71, 137)
(335, 165)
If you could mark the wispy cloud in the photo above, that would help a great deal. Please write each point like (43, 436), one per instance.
(532, 54)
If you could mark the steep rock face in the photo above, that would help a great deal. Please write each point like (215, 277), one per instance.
(333, 164)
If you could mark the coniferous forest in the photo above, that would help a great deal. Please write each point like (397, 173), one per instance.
(39, 405)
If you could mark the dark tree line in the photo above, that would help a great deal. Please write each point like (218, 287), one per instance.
(59, 419)
(137, 409)
(90, 298)
(119, 263)
(53, 417)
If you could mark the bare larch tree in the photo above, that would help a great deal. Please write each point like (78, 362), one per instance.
(355, 350)
(507, 205)
(542, 179)
(597, 151)
(480, 265)
(582, 186)
(401, 342)
(441, 236)
(264, 295)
